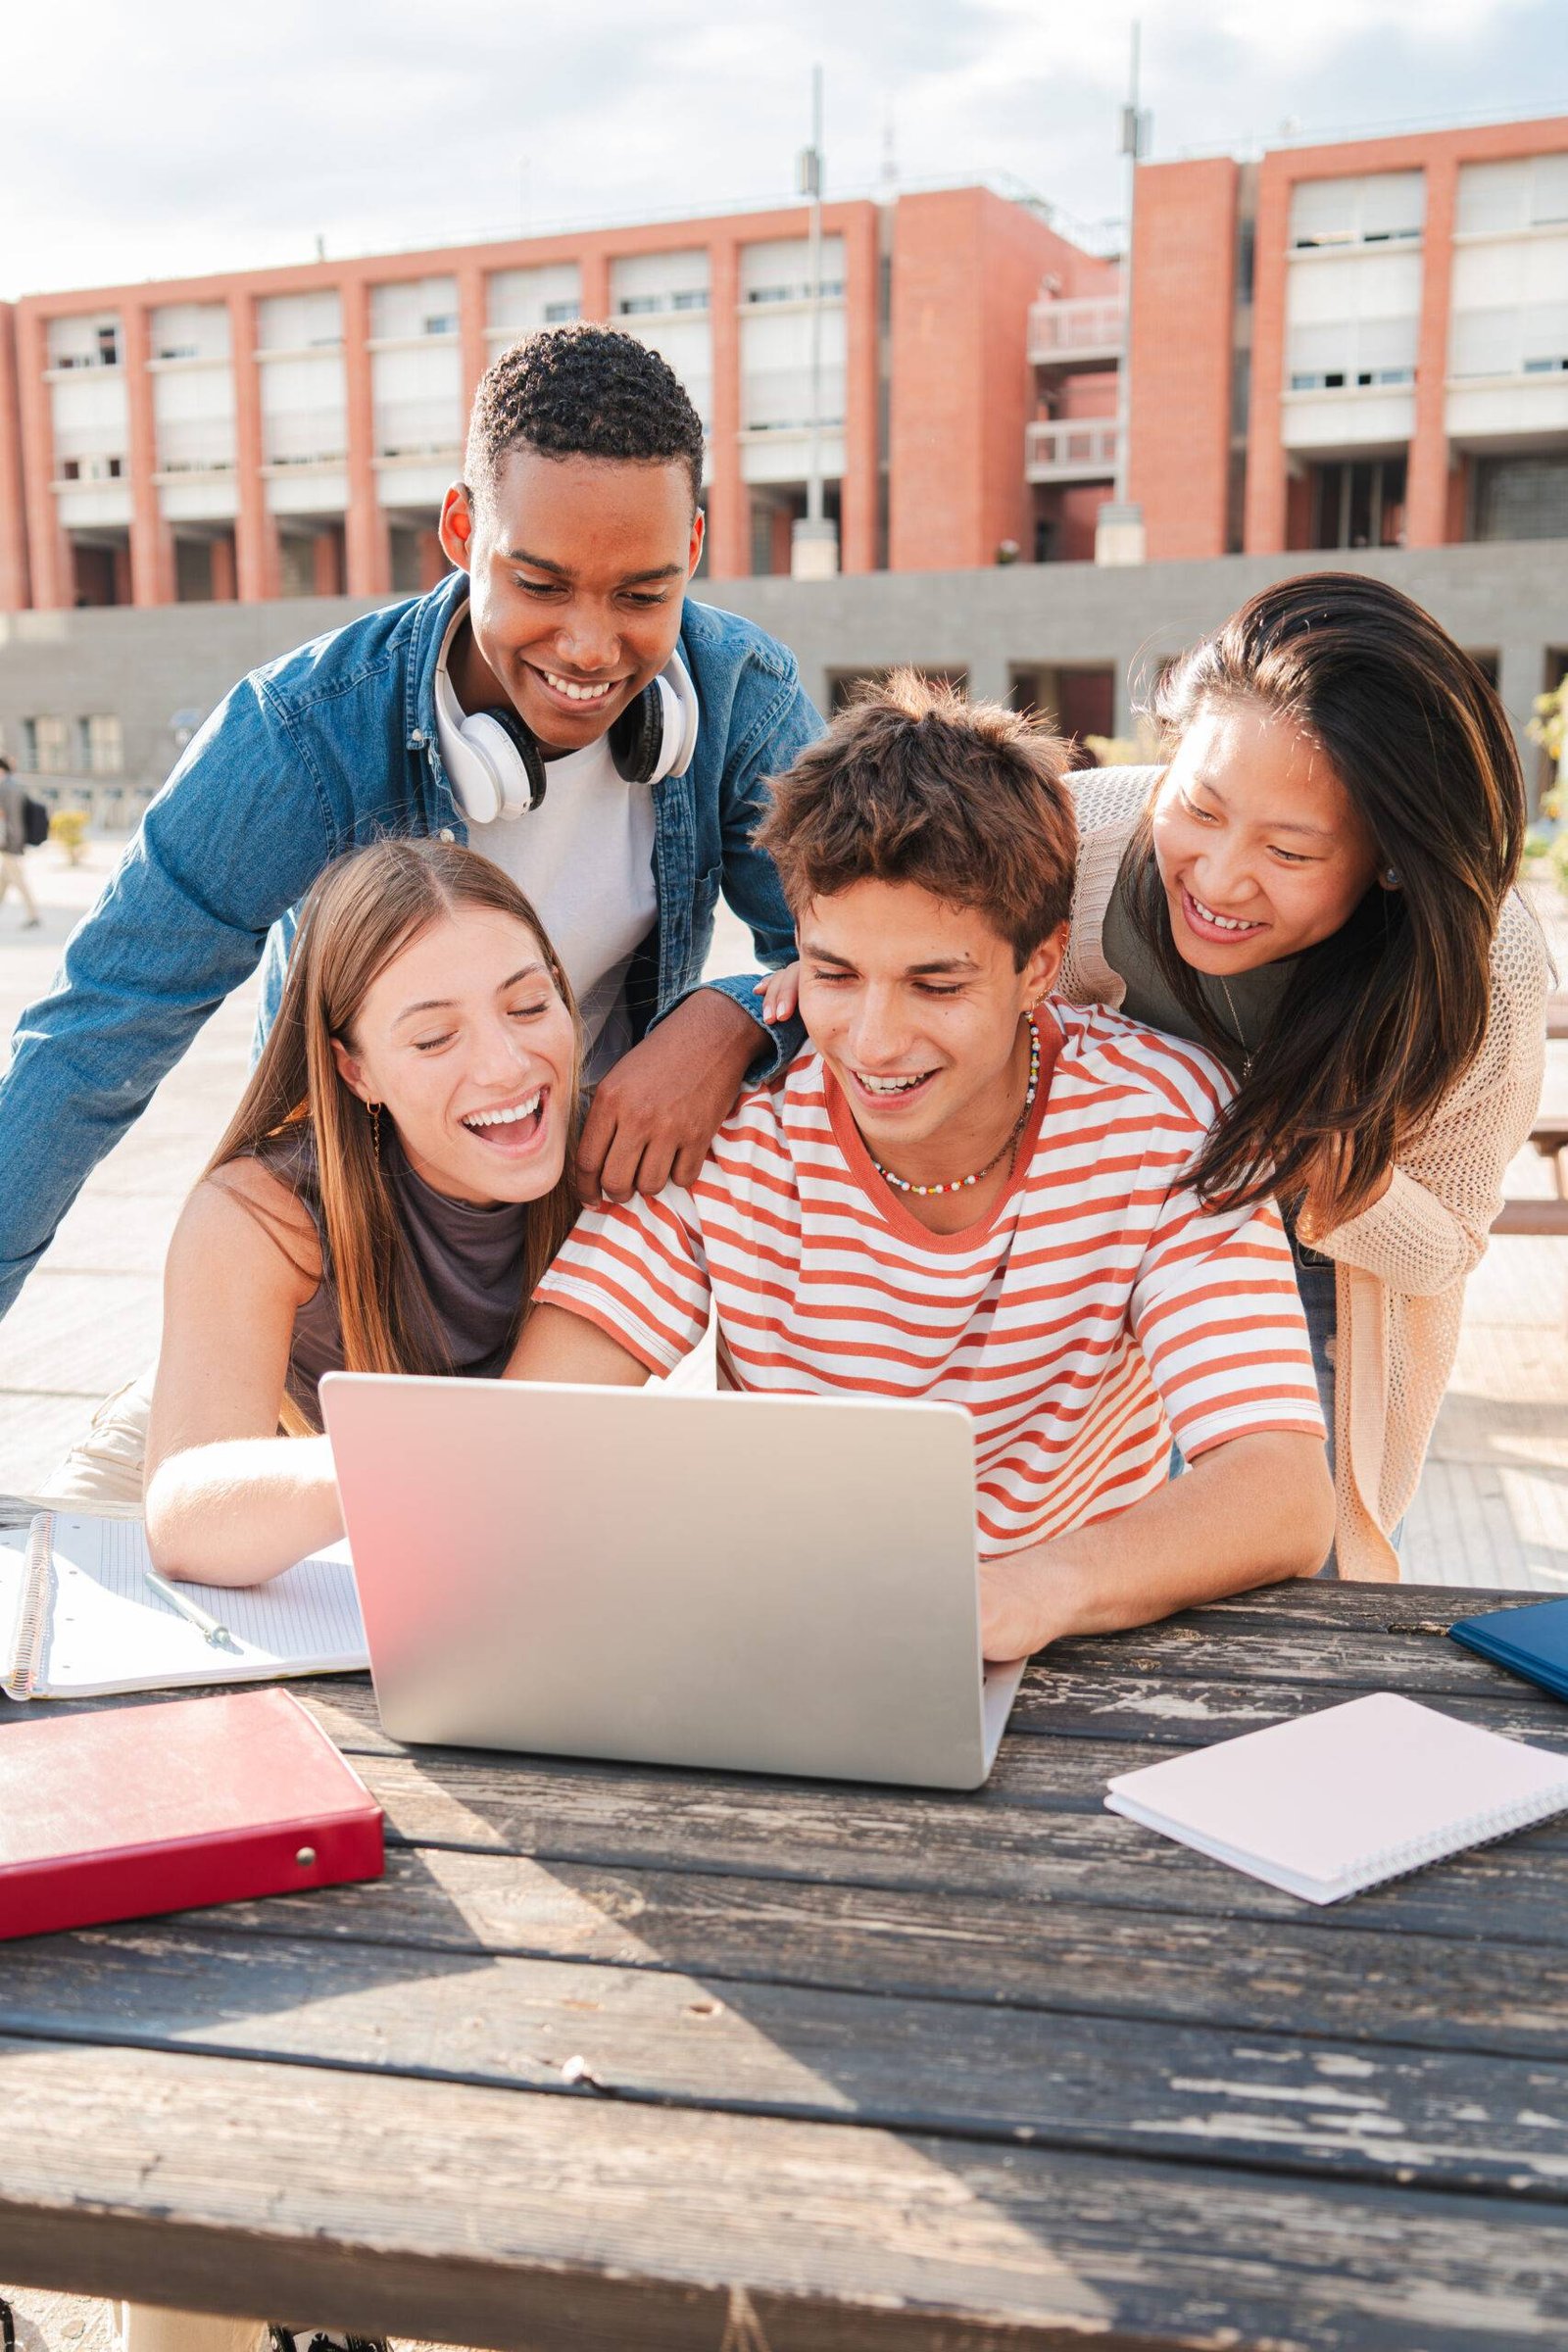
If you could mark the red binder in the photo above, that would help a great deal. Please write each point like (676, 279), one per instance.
(138, 1809)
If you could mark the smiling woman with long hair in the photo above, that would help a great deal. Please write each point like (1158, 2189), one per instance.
(1318, 883)
(393, 1184)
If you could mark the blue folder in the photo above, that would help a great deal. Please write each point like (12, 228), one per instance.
(1533, 1641)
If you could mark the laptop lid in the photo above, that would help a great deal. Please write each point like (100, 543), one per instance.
(762, 1583)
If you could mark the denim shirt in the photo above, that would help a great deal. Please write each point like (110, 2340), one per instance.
(327, 750)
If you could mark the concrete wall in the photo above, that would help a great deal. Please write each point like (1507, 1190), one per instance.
(1506, 601)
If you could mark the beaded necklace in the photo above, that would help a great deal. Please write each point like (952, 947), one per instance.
(902, 1183)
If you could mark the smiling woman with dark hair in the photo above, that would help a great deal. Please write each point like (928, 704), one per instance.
(1318, 884)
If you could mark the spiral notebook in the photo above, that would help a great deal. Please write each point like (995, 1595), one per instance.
(1341, 1801)
(79, 1620)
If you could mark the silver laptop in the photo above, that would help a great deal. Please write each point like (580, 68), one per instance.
(778, 1584)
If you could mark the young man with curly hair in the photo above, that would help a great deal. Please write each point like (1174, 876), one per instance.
(538, 660)
(973, 1191)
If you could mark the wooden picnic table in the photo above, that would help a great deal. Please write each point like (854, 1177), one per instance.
(624, 2058)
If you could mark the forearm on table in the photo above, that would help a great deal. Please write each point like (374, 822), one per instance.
(1255, 1511)
(242, 1511)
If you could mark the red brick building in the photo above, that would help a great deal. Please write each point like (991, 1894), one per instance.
(1358, 345)
(292, 431)
(1362, 345)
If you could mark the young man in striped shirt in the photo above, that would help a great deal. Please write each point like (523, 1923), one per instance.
(968, 1189)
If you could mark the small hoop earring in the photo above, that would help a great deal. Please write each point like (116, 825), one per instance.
(374, 1110)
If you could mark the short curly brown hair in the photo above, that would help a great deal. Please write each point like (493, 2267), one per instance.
(582, 391)
(915, 783)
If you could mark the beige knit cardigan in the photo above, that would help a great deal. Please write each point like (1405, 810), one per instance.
(1402, 1262)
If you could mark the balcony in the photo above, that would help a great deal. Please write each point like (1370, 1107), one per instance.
(1089, 332)
(1067, 452)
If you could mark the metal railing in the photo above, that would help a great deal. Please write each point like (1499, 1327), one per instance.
(1067, 452)
(1091, 326)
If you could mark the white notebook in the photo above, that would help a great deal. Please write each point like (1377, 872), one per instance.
(1343, 1800)
(79, 1618)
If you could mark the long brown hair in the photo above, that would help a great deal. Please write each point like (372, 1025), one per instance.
(1381, 1018)
(362, 912)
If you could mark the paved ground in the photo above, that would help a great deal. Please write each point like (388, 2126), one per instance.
(1492, 1508)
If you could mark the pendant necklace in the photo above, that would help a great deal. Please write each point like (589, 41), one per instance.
(1236, 1026)
(902, 1183)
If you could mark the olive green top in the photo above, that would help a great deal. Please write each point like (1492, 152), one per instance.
(1244, 1013)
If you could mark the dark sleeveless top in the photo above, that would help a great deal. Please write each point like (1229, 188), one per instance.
(470, 1260)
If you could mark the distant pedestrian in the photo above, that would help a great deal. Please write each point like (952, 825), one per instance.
(14, 844)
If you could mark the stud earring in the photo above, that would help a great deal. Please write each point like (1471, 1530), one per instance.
(1391, 879)
(374, 1110)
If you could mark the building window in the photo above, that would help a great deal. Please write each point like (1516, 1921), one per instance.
(193, 571)
(46, 746)
(1503, 198)
(645, 306)
(70, 471)
(642, 285)
(117, 466)
(109, 347)
(1386, 207)
(441, 322)
(102, 748)
(796, 290)
(1521, 497)
(1359, 503)
(1336, 380)
(561, 313)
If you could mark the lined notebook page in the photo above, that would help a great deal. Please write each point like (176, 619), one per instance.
(107, 1629)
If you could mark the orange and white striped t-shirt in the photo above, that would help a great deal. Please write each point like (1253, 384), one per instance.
(1098, 1310)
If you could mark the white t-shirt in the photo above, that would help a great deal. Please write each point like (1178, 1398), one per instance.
(584, 858)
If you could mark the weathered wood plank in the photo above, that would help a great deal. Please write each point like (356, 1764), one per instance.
(1126, 2086)
(1195, 1711)
(509, 2220)
(1342, 1621)
(1358, 1982)
(1320, 1660)
(1306, 1641)
(1392, 1608)
(1021, 1839)
(1155, 1707)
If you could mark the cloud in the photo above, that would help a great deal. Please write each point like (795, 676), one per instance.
(181, 137)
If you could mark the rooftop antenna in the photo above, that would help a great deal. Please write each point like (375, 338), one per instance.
(1119, 529)
(814, 542)
(890, 157)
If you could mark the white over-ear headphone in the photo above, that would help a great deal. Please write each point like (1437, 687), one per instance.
(496, 769)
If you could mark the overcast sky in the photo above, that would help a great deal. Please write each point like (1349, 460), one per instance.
(184, 135)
